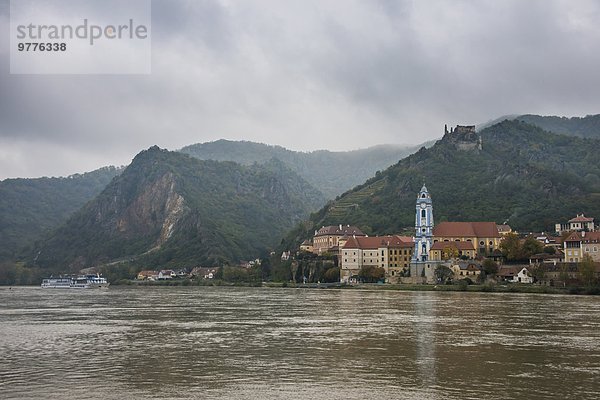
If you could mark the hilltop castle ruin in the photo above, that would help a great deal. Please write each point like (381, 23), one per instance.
(464, 137)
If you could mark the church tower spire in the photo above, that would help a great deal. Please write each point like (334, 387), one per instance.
(423, 226)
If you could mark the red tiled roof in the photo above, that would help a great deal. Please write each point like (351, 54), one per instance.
(573, 237)
(466, 229)
(591, 237)
(504, 228)
(455, 245)
(375, 242)
(339, 230)
(468, 265)
(509, 270)
(581, 218)
(473, 267)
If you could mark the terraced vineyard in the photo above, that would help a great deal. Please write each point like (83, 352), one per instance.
(349, 203)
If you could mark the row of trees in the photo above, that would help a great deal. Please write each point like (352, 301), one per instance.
(515, 249)
(18, 274)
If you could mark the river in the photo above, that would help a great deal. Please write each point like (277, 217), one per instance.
(265, 343)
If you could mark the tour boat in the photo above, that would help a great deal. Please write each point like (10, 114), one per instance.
(78, 282)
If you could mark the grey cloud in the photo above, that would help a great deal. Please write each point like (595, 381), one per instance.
(309, 75)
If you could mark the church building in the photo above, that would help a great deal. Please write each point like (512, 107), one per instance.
(421, 267)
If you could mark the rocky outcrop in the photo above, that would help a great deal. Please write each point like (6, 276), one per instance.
(157, 205)
(168, 207)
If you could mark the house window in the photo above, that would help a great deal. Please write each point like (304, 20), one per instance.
(422, 213)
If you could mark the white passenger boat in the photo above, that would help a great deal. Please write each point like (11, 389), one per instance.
(76, 282)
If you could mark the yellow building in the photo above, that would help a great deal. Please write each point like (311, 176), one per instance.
(392, 253)
(466, 269)
(504, 229)
(327, 239)
(307, 246)
(447, 250)
(484, 236)
(147, 275)
(579, 243)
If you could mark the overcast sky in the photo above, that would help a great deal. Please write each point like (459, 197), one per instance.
(306, 75)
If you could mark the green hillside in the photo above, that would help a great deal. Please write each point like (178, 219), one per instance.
(30, 208)
(587, 127)
(330, 172)
(169, 209)
(522, 174)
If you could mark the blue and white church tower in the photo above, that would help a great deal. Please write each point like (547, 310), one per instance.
(423, 227)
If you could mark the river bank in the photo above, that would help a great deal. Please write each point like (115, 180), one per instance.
(484, 288)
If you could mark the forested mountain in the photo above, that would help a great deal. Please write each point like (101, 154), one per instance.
(170, 209)
(31, 207)
(588, 126)
(522, 174)
(330, 172)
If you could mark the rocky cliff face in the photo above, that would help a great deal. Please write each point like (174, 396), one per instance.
(158, 204)
(168, 208)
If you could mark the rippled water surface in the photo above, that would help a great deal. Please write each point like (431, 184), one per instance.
(258, 343)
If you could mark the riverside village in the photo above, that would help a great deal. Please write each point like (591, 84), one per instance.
(459, 252)
(469, 251)
(449, 252)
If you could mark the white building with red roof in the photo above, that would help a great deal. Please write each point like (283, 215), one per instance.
(578, 224)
